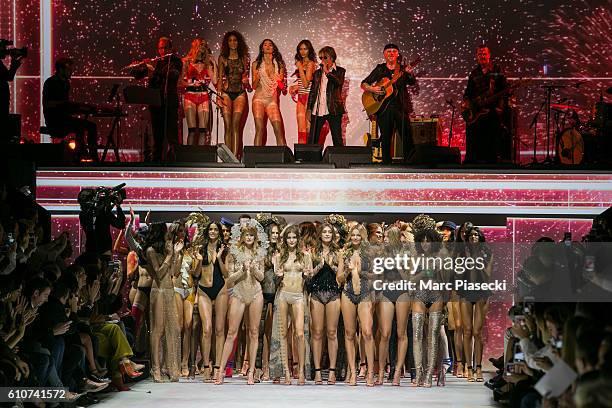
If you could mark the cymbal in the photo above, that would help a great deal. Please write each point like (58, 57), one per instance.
(562, 107)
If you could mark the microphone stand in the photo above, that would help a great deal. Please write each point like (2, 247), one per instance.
(450, 132)
(534, 125)
(165, 140)
(548, 99)
(314, 135)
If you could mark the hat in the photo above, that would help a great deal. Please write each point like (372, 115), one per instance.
(391, 46)
(227, 222)
(449, 224)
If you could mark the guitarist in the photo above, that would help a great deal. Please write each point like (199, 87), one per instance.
(483, 137)
(395, 113)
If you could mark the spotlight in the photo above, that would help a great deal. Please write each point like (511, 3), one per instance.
(72, 144)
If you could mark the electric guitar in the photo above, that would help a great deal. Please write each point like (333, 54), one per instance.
(372, 102)
(473, 109)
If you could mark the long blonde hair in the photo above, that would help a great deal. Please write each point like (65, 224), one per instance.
(195, 49)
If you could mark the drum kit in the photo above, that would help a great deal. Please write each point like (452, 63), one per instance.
(581, 136)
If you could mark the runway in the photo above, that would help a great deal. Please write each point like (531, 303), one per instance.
(235, 393)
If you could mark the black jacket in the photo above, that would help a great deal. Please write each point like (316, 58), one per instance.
(335, 81)
(400, 97)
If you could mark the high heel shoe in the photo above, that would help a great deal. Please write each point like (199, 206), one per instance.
(441, 380)
(418, 320)
(126, 368)
(207, 374)
(459, 369)
(353, 378)
(245, 368)
(397, 377)
(117, 384)
(370, 379)
(251, 376)
(220, 376)
(470, 375)
(479, 377)
(156, 374)
(433, 334)
(136, 366)
(332, 371)
(318, 379)
(288, 377)
(362, 371)
(265, 376)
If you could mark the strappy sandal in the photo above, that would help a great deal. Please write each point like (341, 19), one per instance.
(397, 377)
(207, 374)
(320, 380)
(251, 376)
(370, 379)
(364, 370)
(459, 369)
(329, 380)
(470, 376)
(479, 377)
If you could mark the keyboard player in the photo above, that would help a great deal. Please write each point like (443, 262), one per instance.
(59, 110)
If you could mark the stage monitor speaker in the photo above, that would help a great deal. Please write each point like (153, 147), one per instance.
(312, 153)
(344, 156)
(254, 155)
(196, 154)
(225, 154)
(43, 154)
(427, 154)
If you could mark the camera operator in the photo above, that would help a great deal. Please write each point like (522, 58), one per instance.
(8, 74)
(96, 217)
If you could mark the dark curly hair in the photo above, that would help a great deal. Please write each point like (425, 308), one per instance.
(432, 236)
(276, 56)
(156, 238)
(243, 48)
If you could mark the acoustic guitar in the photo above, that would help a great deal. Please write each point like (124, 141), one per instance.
(372, 102)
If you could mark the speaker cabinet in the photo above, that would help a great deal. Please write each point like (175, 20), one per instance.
(196, 154)
(427, 154)
(254, 155)
(312, 153)
(344, 156)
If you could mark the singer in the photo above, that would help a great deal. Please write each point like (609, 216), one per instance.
(269, 80)
(199, 70)
(325, 101)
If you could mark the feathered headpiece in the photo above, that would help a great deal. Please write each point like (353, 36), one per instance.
(262, 237)
(422, 222)
(266, 219)
(339, 222)
(201, 221)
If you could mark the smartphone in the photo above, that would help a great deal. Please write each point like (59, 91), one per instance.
(10, 239)
(518, 357)
(509, 369)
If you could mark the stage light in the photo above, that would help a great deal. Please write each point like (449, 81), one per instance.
(72, 144)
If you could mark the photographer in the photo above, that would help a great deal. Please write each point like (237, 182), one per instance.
(8, 74)
(96, 217)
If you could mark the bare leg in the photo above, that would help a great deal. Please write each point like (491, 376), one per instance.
(205, 310)
(364, 311)
(318, 327)
(385, 322)
(402, 311)
(332, 315)
(253, 333)
(259, 111)
(221, 303)
(267, 340)
(187, 327)
(480, 311)
(297, 314)
(466, 319)
(236, 310)
(458, 336)
(349, 316)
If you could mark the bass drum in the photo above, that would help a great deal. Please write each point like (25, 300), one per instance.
(570, 149)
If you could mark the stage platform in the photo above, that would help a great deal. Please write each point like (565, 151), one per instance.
(372, 190)
(235, 393)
